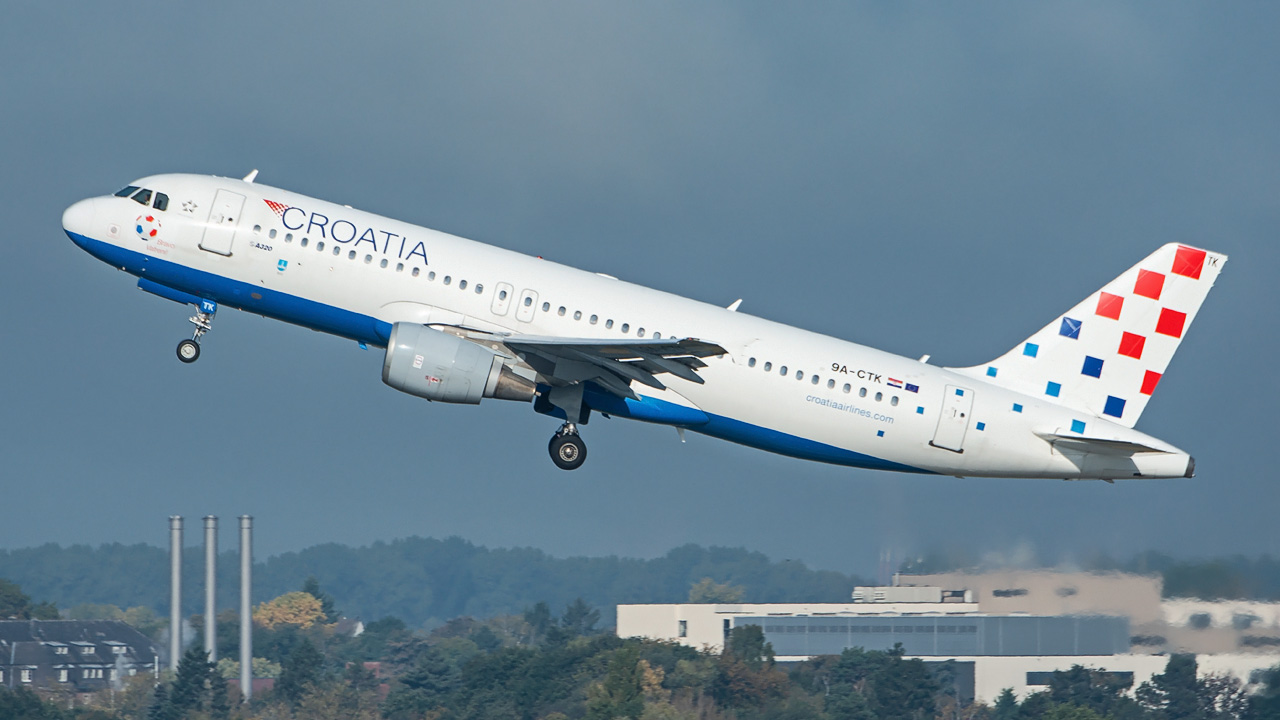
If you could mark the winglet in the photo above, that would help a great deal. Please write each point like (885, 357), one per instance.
(733, 307)
(253, 175)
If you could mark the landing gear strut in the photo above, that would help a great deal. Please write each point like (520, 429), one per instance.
(189, 350)
(568, 451)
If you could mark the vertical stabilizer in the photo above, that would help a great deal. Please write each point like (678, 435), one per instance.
(1106, 355)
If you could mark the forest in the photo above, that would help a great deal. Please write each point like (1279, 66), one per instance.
(541, 665)
(425, 581)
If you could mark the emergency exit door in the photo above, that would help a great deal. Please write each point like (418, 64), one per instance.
(220, 232)
(953, 423)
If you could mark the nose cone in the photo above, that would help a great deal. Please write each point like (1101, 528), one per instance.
(78, 220)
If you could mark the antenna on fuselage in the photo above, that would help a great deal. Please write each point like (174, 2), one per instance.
(733, 307)
(253, 174)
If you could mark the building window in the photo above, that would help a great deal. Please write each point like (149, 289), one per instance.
(61, 650)
(25, 676)
(119, 649)
(62, 675)
(684, 628)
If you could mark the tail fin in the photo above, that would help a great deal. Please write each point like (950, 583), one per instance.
(1106, 355)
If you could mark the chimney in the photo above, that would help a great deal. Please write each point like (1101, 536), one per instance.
(210, 587)
(175, 591)
(246, 612)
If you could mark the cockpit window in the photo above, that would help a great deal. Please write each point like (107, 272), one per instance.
(162, 201)
(126, 192)
(143, 197)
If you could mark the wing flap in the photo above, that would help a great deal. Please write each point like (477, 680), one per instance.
(613, 364)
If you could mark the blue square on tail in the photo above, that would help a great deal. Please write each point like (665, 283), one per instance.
(982, 426)
(1114, 406)
(1077, 426)
(1030, 349)
(879, 433)
(1017, 407)
(1092, 366)
(1053, 389)
(991, 372)
(1070, 328)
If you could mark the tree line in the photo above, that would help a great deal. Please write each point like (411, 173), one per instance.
(423, 581)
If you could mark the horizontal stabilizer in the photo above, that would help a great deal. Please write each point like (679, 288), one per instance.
(1097, 445)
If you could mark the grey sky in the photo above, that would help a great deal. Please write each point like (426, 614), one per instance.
(925, 178)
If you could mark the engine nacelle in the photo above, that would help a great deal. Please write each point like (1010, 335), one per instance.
(438, 366)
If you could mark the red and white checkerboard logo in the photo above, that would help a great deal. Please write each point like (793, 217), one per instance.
(277, 208)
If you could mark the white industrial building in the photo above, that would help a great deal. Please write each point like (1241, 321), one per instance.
(1071, 619)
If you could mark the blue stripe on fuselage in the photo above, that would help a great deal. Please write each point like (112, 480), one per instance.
(240, 295)
(366, 329)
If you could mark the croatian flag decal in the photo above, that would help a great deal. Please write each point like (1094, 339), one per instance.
(893, 383)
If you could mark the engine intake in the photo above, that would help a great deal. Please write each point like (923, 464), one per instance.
(442, 367)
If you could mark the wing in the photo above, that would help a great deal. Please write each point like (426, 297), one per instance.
(612, 365)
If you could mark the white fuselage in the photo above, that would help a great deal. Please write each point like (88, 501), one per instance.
(778, 388)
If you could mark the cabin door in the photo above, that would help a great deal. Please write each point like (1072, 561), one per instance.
(220, 232)
(957, 405)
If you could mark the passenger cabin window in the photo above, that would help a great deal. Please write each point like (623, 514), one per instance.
(127, 191)
(142, 197)
(162, 203)
(462, 284)
(768, 366)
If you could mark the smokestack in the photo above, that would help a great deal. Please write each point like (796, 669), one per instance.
(246, 613)
(175, 591)
(210, 587)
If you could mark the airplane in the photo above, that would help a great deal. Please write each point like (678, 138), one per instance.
(463, 321)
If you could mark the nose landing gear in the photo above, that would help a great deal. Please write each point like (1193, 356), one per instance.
(189, 350)
(568, 451)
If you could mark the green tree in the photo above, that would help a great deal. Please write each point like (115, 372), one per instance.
(23, 704)
(1173, 694)
(161, 708)
(1006, 707)
(707, 590)
(16, 605)
(312, 588)
(190, 692)
(621, 694)
(1100, 691)
(1265, 704)
(747, 644)
(579, 618)
(303, 667)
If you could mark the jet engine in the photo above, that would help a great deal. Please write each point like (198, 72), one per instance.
(438, 366)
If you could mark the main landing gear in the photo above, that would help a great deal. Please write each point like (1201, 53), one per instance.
(189, 350)
(568, 451)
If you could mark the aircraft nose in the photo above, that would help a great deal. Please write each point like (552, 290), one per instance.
(78, 219)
